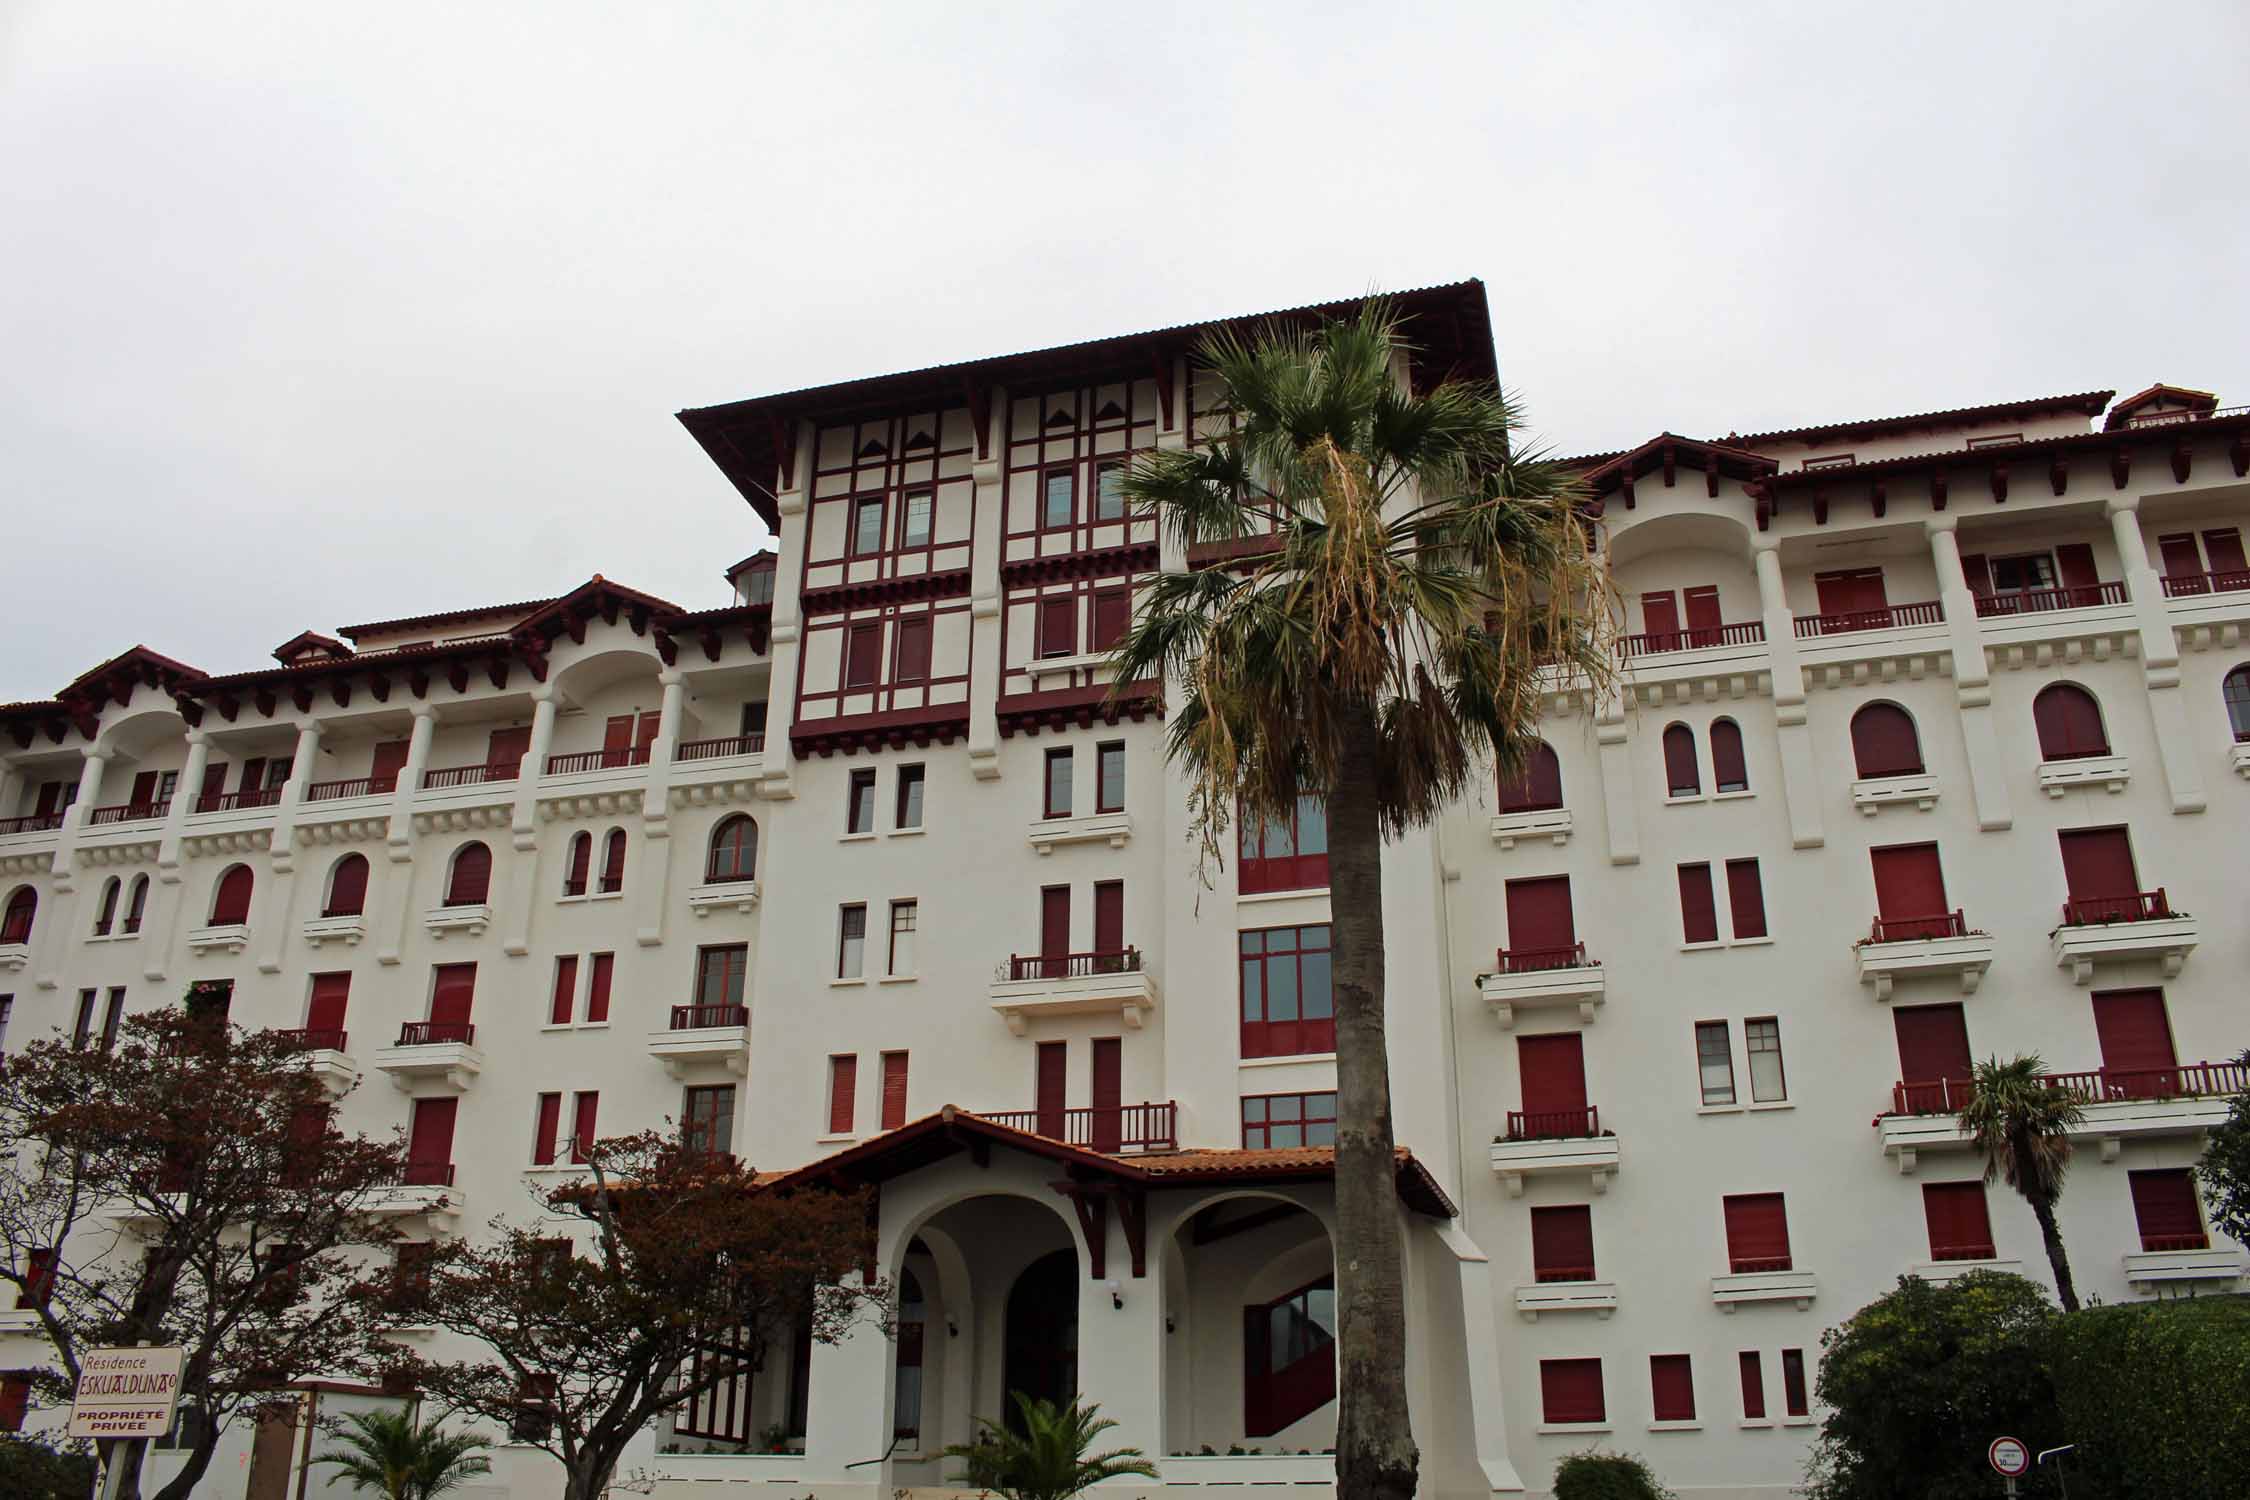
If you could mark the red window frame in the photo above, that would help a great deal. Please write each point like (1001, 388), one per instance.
(1570, 1392)
(23, 910)
(863, 654)
(1794, 1397)
(1288, 1377)
(906, 812)
(707, 1117)
(1886, 742)
(1109, 777)
(859, 802)
(579, 868)
(1059, 761)
(1671, 1388)
(230, 898)
(865, 541)
(734, 850)
(851, 927)
(721, 973)
(894, 1090)
(843, 1087)
(468, 879)
(1757, 1232)
(1267, 952)
(1746, 899)
(1056, 626)
(910, 649)
(1682, 776)
(2068, 721)
(613, 862)
(1273, 854)
(1112, 617)
(1753, 1385)
(1068, 475)
(1286, 1121)
(2166, 1211)
(585, 1112)
(1959, 1220)
(1699, 912)
(1730, 770)
(597, 988)
(1562, 1243)
(347, 891)
(546, 1130)
(1538, 787)
(565, 999)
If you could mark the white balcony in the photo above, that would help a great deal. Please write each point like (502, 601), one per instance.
(2149, 930)
(1599, 1297)
(19, 1320)
(472, 920)
(2109, 1123)
(346, 930)
(739, 896)
(440, 1203)
(1550, 823)
(325, 1059)
(1871, 794)
(2181, 1102)
(431, 1055)
(2109, 772)
(1906, 1137)
(1582, 985)
(1075, 984)
(2216, 1269)
(1731, 1291)
(1516, 1157)
(14, 956)
(1945, 1272)
(706, 1035)
(1112, 828)
(2241, 758)
(1941, 947)
(231, 938)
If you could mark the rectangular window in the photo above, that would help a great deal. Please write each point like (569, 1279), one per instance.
(1054, 930)
(1794, 1397)
(1288, 1008)
(1057, 498)
(597, 989)
(1286, 1120)
(585, 1109)
(1113, 616)
(1934, 1066)
(1959, 1220)
(1108, 1115)
(1753, 1386)
(1761, 1038)
(82, 1030)
(1058, 784)
(1714, 1061)
(1671, 1388)
(707, 1118)
(1699, 917)
(1109, 917)
(1909, 893)
(113, 1016)
(1570, 1390)
(1562, 1243)
(1109, 490)
(1746, 899)
(859, 804)
(843, 1084)
(894, 1090)
(911, 649)
(867, 526)
(1542, 930)
(2165, 1210)
(863, 654)
(1286, 854)
(546, 1130)
(908, 813)
(720, 974)
(2135, 1033)
(905, 916)
(2016, 575)
(1757, 1233)
(2099, 871)
(566, 990)
(7, 1006)
(851, 942)
(1058, 625)
(916, 531)
(1109, 778)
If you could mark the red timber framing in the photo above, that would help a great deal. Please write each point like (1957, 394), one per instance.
(893, 498)
(1065, 451)
(1062, 606)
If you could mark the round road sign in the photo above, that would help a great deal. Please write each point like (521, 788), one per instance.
(2009, 1456)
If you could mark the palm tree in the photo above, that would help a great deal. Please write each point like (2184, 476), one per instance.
(1048, 1460)
(402, 1459)
(2022, 1124)
(1421, 571)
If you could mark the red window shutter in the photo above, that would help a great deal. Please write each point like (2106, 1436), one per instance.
(2181, 557)
(1660, 619)
(582, 1127)
(1730, 769)
(453, 993)
(2074, 567)
(617, 737)
(546, 1130)
(1959, 1222)
(214, 785)
(230, 904)
(1109, 1094)
(843, 1084)
(2224, 549)
(1909, 883)
(253, 777)
(2069, 723)
(1054, 922)
(581, 862)
(863, 653)
(1053, 1068)
(1793, 1393)
(1977, 572)
(1058, 625)
(471, 881)
(2098, 865)
(1109, 916)
(1884, 742)
(1682, 778)
(894, 1090)
(15, 1402)
(1753, 1386)
(505, 751)
(1539, 916)
(2164, 1207)
(1671, 1384)
(1757, 1232)
(613, 861)
(1699, 918)
(913, 649)
(644, 733)
(50, 792)
(429, 1138)
(566, 990)
(1933, 1043)
(144, 789)
(347, 888)
(1562, 1243)
(1539, 788)
(1703, 620)
(1553, 1069)
(324, 1011)
(1850, 590)
(390, 759)
(1113, 616)
(2136, 1042)
(1570, 1390)
(597, 988)
(1746, 899)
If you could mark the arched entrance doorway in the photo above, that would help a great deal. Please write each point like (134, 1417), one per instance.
(1041, 1357)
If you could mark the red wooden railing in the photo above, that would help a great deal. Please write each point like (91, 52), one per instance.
(31, 823)
(1554, 1124)
(128, 812)
(2037, 601)
(468, 775)
(2198, 1080)
(1984, 1251)
(1890, 616)
(2162, 1242)
(315, 1038)
(2180, 585)
(1563, 1273)
(1918, 929)
(696, 1017)
(1938, 1096)
(426, 1174)
(357, 786)
(1657, 642)
(430, 1033)
(265, 796)
(1151, 1126)
(2095, 911)
(1750, 1265)
(739, 744)
(1537, 960)
(597, 760)
(1072, 965)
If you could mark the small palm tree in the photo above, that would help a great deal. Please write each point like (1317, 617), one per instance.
(1049, 1459)
(2022, 1124)
(402, 1459)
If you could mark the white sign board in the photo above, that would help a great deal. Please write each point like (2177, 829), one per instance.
(126, 1393)
(2009, 1456)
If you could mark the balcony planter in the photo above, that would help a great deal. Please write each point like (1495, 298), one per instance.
(740, 896)
(2107, 771)
(1524, 1153)
(472, 920)
(1920, 946)
(1075, 984)
(1551, 823)
(347, 930)
(1598, 1297)
(231, 938)
(1871, 794)
(1112, 828)
(713, 1034)
(1731, 1291)
(1543, 976)
(2121, 930)
(2217, 1269)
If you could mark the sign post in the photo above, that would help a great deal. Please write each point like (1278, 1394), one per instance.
(2010, 1459)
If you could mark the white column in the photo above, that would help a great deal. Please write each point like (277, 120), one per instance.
(7, 788)
(648, 862)
(2160, 659)
(301, 766)
(656, 802)
(782, 642)
(89, 792)
(986, 599)
(58, 914)
(1121, 1355)
(524, 825)
(1972, 678)
(1800, 775)
(1487, 1414)
(400, 841)
(183, 802)
(848, 1415)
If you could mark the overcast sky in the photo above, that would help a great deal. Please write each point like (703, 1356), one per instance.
(309, 317)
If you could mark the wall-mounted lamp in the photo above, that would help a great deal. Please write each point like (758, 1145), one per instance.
(952, 1329)
(1116, 1294)
(1169, 1325)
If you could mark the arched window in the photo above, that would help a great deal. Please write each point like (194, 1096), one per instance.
(2069, 722)
(471, 881)
(137, 906)
(1681, 777)
(2237, 691)
(108, 914)
(581, 863)
(230, 898)
(734, 850)
(1729, 771)
(1538, 788)
(347, 887)
(613, 861)
(15, 927)
(1884, 742)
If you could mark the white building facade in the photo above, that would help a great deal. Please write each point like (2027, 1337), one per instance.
(1929, 742)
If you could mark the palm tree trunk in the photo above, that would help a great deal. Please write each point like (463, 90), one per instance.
(1375, 1453)
(2057, 1257)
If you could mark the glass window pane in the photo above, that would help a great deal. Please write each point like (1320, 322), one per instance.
(918, 519)
(1109, 499)
(1321, 1133)
(1320, 1000)
(1253, 1111)
(1281, 987)
(1057, 508)
(1251, 1000)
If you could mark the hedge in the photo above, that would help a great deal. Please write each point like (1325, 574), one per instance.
(2157, 1397)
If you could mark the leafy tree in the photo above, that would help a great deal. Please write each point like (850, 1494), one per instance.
(692, 1275)
(1607, 1476)
(2022, 1124)
(187, 1187)
(1401, 571)
(33, 1469)
(2224, 1170)
(1050, 1459)
(1918, 1383)
(2156, 1396)
(400, 1458)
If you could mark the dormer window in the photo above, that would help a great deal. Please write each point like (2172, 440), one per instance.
(1830, 461)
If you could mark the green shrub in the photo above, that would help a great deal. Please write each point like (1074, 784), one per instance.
(32, 1469)
(1607, 1476)
(2157, 1397)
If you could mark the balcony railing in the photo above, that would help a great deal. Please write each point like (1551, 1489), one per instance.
(2181, 585)
(1071, 965)
(264, 796)
(1538, 960)
(468, 775)
(597, 760)
(2174, 418)
(739, 744)
(31, 823)
(357, 786)
(697, 1017)
(1753, 1265)
(1554, 1124)
(1951, 924)
(1657, 642)
(1889, 617)
(128, 812)
(431, 1033)
(315, 1038)
(2037, 601)
(426, 1174)
(2199, 1080)
(1562, 1273)
(2175, 1243)
(1151, 1126)
(2095, 911)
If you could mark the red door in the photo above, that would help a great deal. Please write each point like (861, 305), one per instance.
(1109, 1097)
(1703, 620)
(617, 740)
(1054, 931)
(2074, 563)
(253, 776)
(451, 996)
(325, 1013)
(1851, 591)
(2224, 549)
(894, 1090)
(50, 794)
(2136, 1040)
(144, 789)
(1933, 1057)
(504, 753)
(1910, 892)
(1109, 917)
(1553, 1068)
(429, 1143)
(1054, 1069)
(390, 759)
(214, 786)
(1660, 619)
(2098, 868)
(1540, 931)
(2181, 557)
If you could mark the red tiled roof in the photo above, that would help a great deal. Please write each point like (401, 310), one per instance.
(2088, 402)
(2193, 400)
(446, 617)
(313, 640)
(2069, 442)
